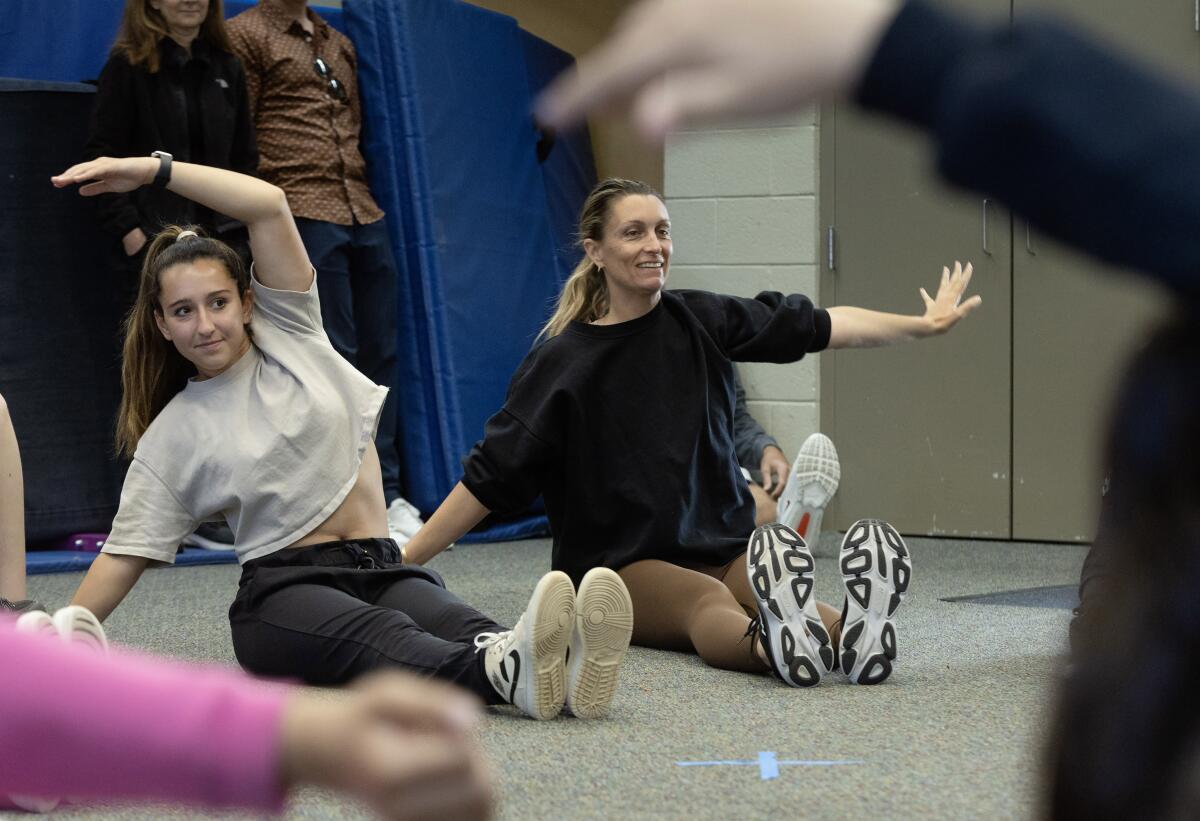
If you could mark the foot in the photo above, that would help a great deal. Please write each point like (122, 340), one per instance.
(526, 664)
(22, 606)
(876, 568)
(789, 626)
(404, 520)
(811, 484)
(603, 627)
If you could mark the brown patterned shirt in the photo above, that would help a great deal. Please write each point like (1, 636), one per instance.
(307, 128)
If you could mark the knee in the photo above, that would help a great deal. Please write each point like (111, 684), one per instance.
(5, 421)
(766, 510)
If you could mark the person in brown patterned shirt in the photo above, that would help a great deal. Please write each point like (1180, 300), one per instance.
(303, 91)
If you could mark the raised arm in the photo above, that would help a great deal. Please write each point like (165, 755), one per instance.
(280, 261)
(460, 512)
(852, 327)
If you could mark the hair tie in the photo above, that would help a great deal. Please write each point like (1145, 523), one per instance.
(186, 234)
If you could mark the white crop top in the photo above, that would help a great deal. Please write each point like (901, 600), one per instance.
(272, 445)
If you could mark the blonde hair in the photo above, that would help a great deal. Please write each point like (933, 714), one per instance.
(152, 370)
(143, 27)
(584, 296)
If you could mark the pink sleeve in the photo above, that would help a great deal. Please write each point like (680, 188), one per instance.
(131, 727)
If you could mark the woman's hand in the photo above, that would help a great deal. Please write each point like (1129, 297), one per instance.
(680, 61)
(403, 745)
(775, 469)
(107, 175)
(945, 310)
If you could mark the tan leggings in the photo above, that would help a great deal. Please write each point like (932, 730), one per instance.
(700, 609)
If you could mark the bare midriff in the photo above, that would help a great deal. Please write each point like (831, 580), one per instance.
(361, 515)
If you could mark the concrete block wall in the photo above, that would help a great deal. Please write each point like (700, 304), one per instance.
(743, 205)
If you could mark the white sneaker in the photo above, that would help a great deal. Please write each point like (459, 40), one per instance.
(78, 625)
(37, 622)
(876, 569)
(811, 484)
(525, 664)
(603, 627)
(404, 520)
(788, 624)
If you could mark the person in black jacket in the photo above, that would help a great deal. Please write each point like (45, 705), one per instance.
(622, 419)
(171, 84)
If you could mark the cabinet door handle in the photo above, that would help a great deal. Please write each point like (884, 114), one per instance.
(986, 203)
(1028, 240)
(829, 239)
(1196, 15)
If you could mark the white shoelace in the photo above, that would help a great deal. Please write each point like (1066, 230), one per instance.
(486, 640)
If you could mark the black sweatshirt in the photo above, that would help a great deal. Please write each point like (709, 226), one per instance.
(1091, 147)
(626, 429)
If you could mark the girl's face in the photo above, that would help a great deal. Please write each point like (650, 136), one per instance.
(182, 15)
(201, 312)
(635, 252)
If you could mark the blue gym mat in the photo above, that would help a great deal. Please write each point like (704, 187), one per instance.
(39, 562)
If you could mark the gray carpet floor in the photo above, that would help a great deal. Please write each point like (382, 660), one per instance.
(956, 732)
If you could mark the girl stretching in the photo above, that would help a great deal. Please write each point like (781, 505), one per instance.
(236, 407)
(622, 418)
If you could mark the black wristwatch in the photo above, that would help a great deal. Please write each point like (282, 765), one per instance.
(164, 168)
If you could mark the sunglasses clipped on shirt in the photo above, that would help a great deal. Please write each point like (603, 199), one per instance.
(336, 90)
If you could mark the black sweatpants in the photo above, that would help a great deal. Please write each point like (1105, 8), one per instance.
(328, 613)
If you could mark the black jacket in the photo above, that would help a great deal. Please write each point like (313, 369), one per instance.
(138, 112)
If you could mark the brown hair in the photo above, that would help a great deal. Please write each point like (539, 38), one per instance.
(143, 27)
(152, 370)
(584, 295)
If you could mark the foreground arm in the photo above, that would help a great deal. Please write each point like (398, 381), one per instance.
(454, 517)
(852, 327)
(280, 259)
(214, 738)
(108, 582)
(1014, 110)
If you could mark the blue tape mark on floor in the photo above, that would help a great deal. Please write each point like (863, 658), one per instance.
(768, 765)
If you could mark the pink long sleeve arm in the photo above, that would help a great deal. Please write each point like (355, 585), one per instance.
(131, 727)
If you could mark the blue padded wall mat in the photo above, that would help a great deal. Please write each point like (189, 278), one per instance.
(40, 562)
(69, 40)
(451, 145)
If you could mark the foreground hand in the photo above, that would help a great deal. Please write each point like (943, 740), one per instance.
(679, 61)
(775, 469)
(108, 176)
(402, 745)
(944, 311)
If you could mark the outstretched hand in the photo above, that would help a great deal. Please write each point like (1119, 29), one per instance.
(678, 61)
(403, 745)
(107, 175)
(944, 311)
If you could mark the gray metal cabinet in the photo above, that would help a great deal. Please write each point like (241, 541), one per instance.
(994, 430)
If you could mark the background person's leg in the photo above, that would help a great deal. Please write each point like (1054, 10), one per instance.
(12, 512)
(373, 289)
(328, 247)
(765, 508)
(675, 608)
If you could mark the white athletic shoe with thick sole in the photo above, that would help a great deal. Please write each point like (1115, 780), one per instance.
(78, 625)
(404, 520)
(811, 484)
(780, 569)
(876, 569)
(526, 664)
(603, 627)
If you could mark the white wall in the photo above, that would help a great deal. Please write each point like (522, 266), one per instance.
(743, 204)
